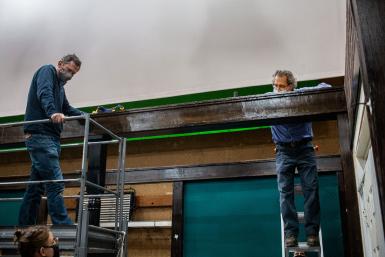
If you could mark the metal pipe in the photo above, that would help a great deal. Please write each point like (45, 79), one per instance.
(13, 199)
(21, 149)
(114, 141)
(38, 182)
(121, 173)
(110, 230)
(10, 199)
(117, 184)
(14, 124)
(83, 179)
(93, 195)
(105, 129)
(101, 188)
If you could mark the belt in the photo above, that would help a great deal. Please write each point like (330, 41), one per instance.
(294, 143)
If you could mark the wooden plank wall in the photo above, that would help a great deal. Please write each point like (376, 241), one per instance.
(154, 201)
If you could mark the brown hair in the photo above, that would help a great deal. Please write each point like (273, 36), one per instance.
(30, 240)
(291, 80)
(71, 58)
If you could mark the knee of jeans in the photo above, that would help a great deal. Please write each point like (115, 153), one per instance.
(285, 189)
(55, 187)
(285, 184)
(310, 185)
(35, 188)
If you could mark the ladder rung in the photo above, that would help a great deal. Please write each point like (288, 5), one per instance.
(302, 246)
(298, 189)
(301, 217)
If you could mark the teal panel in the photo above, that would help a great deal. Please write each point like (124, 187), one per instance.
(241, 218)
(9, 213)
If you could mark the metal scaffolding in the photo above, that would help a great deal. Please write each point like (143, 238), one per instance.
(87, 238)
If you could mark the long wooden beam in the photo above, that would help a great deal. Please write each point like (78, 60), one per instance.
(198, 172)
(214, 171)
(233, 112)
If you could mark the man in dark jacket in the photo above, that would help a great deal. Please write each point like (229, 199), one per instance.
(47, 100)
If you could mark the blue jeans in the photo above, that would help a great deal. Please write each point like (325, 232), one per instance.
(301, 157)
(44, 152)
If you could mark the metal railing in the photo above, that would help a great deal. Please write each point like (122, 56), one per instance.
(82, 216)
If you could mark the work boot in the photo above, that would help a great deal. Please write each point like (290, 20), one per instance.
(312, 240)
(291, 241)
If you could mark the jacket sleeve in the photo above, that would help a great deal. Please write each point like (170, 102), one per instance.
(319, 86)
(45, 95)
(68, 109)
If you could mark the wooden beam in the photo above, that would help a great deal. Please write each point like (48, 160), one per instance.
(195, 172)
(153, 201)
(42, 216)
(352, 229)
(214, 171)
(177, 221)
(352, 70)
(234, 112)
(97, 159)
(344, 224)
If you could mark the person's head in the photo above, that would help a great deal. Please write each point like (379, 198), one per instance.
(68, 66)
(284, 81)
(36, 241)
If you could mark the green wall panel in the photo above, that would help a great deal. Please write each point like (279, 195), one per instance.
(9, 211)
(241, 218)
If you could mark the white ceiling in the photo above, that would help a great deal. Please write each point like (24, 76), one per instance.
(136, 49)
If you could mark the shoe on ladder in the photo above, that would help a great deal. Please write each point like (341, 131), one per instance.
(312, 240)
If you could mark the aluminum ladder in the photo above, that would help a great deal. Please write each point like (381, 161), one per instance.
(302, 246)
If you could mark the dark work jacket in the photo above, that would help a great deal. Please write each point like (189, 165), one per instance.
(47, 96)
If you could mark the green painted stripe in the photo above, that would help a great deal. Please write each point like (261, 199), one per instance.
(19, 149)
(197, 133)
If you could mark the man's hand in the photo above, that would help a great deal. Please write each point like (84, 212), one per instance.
(57, 117)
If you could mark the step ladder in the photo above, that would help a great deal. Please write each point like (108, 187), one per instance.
(302, 246)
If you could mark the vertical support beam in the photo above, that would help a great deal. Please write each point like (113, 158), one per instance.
(83, 248)
(370, 25)
(344, 225)
(97, 159)
(177, 220)
(42, 216)
(352, 227)
(80, 215)
(122, 158)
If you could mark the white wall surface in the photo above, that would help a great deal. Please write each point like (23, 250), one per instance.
(143, 49)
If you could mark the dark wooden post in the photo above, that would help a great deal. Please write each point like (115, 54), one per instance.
(350, 212)
(42, 216)
(177, 221)
(97, 159)
(370, 25)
